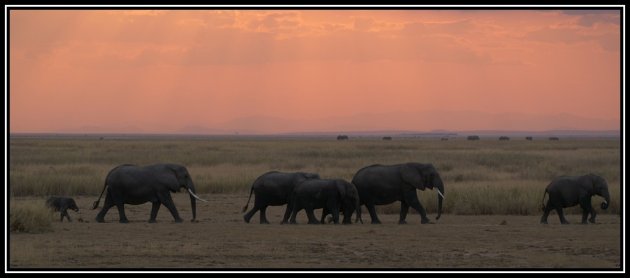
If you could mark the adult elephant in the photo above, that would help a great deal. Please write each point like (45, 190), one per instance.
(274, 189)
(568, 191)
(332, 195)
(135, 185)
(385, 184)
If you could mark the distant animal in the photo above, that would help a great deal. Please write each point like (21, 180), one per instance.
(554, 138)
(135, 185)
(504, 138)
(385, 184)
(529, 138)
(342, 137)
(568, 191)
(444, 139)
(473, 137)
(62, 204)
(274, 189)
(387, 138)
(331, 195)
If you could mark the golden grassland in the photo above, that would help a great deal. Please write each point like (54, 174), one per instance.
(481, 177)
(30, 216)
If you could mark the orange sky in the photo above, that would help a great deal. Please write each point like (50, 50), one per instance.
(268, 71)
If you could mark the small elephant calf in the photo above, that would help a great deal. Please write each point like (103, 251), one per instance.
(62, 204)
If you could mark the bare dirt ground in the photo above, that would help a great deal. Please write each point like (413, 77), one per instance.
(221, 240)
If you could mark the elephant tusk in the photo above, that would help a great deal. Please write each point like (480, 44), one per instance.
(440, 193)
(196, 197)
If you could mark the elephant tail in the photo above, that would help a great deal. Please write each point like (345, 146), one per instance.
(543, 200)
(95, 205)
(250, 197)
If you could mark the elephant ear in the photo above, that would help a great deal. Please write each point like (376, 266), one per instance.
(412, 176)
(342, 189)
(428, 173)
(593, 182)
(174, 187)
(352, 191)
(599, 183)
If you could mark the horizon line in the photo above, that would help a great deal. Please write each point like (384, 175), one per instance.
(298, 133)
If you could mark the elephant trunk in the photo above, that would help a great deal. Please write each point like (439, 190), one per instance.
(193, 206)
(440, 189)
(605, 204)
(193, 199)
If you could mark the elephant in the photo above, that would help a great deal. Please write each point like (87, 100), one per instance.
(62, 204)
(135, 185)
(568, 191)
(385, 184)
(274, 189)
(332, 195)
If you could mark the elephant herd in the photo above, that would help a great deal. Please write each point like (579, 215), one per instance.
(371, 186)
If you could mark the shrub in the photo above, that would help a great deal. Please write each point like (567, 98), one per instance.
(30, 217)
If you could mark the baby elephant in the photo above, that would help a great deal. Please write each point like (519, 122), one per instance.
(331, 195)
(62, 204)
(568, 191)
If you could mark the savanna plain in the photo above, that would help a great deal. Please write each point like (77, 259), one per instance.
(492, 207)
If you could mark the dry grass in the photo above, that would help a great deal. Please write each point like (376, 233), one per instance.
(30, 217)
(481, 177)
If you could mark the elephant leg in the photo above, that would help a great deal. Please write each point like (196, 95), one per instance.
(121, 213)
(586, 210)
(325, 212)
(248, 216)
(170, 205)
(412, 200)
(65, 213)
(404, 208)
(311, 216)
(561, 215)
(347, 217)
(106, 206)
(263, 215)
(335, 215)
(155, 206)
(372, 210)
(101, 215)
(584, 216)
(287, 214)
(546, 210)
(294, 213)
(592, 219)
(117, 199)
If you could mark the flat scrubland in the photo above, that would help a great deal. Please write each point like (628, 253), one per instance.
(494, 192)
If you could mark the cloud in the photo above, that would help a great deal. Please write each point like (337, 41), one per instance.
(366, 40)
(589, 18)
(274, 21)
(570, 35)
(363, 23)
(566, 35)
(38, 33)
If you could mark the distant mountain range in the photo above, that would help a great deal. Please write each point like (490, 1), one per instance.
(463, 133)
(407, 122)
(427, 123)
